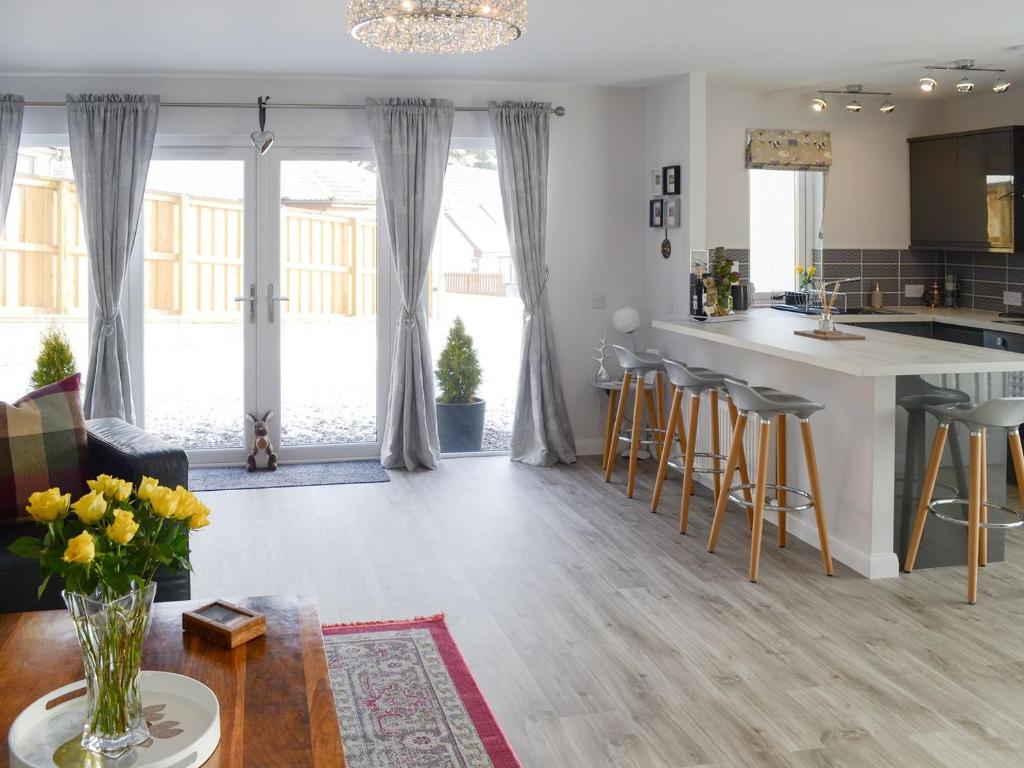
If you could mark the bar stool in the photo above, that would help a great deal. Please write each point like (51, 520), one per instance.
(770, 405)
(693, 382)
(634, 368)
(612, 387)
(915, 395)
(1001, 413)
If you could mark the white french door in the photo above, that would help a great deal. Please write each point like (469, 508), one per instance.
(257, 288)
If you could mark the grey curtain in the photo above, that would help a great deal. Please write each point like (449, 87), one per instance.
(111, 145)
(541, 433)
(12, 108)
(411, 138)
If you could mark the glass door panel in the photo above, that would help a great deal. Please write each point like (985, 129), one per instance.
(44, 270)
(327, 269)
(194, 271)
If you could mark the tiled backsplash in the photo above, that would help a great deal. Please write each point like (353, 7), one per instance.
(983, 276)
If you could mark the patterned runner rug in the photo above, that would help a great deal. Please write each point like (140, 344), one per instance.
(405, 697)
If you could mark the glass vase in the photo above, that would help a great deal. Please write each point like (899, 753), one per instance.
(111, 633)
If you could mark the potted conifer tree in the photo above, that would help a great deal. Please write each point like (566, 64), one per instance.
(56, 361)
(460, 413)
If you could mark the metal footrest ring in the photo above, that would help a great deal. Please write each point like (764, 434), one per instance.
(1017, 523)
(646, 436)
(678, 462)
(776, 487)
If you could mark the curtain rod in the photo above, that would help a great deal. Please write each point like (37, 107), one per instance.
(558, 111)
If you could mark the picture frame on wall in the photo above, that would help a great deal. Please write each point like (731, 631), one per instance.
(672, 212)
(657, 181)
(671, 181)
(657, 214)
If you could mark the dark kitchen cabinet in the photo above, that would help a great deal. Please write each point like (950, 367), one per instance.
(965, 191)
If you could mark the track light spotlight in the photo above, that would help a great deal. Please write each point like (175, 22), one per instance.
(887, 106)
(1001, 85)
(928, 83)
(818, 104)
(966, 85)
(853, 105)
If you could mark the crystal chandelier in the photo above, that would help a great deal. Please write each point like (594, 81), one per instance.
(436, 26)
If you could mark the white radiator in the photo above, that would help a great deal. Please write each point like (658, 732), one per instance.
(725, 436)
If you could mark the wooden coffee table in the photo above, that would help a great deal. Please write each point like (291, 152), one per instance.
(276, 705)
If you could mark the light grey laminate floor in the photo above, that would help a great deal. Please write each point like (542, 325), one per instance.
(601, 637)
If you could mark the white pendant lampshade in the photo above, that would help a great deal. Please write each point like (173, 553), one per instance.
(626, 320)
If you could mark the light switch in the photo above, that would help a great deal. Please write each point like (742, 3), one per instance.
(1012, 298)
(913, 291)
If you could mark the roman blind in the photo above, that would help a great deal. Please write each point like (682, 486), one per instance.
(788, 150)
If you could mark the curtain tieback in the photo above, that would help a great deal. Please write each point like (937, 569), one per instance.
(409, 319)
(107, 327)
(530, 306)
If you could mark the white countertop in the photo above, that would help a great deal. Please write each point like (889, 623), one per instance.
(770, 332)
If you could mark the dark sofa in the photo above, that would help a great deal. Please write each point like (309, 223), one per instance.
(116, 448)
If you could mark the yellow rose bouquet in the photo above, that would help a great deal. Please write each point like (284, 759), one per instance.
(113, 538)
(106, 546)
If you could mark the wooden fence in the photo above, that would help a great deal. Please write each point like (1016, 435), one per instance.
(477, 283)
(194, 256)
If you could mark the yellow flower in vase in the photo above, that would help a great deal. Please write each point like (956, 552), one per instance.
(81, 549)
(47, 506)
(124, 528)
(112, 488)
(164, 501)
(146, 488)
(90, 508)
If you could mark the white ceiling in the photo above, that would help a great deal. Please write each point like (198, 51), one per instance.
(779, 44)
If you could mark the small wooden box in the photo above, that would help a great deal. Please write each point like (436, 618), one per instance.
(225, 624)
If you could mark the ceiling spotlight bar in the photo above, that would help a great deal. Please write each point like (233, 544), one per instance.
(964, 65)
(819, 104)
(966, 83)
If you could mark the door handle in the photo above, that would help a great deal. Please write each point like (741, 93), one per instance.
(272, 300)
(251, 298)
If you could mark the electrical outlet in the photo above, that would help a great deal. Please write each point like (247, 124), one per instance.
(1012, 298)
(598, 301)
(913, 291)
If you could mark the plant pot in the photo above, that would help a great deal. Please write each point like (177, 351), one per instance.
(460, 426)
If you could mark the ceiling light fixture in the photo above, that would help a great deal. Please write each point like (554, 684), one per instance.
(853, 105)
(966, 83)
(818, 104)
(887, 106)
(436, 26)
(262, 139)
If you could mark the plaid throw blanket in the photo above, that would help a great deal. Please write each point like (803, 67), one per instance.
(42, 445)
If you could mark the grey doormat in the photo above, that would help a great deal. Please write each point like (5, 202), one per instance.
(287, 476)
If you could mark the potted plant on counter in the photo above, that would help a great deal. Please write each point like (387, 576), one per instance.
(460, 413)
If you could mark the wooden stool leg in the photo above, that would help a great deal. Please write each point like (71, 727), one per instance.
(666, 448)
(816, 495)
(1013, 438)
(930, 475)
(760, 491)
(742, 461)
(780, 472)
(653, 423)
(973, 516)
(983, 532)
(620, 415)
(735, 451)
(634, 445)
(609, 426)
(716, 444)
(691, 446)
(660, 397)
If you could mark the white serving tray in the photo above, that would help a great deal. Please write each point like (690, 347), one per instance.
(184, 718)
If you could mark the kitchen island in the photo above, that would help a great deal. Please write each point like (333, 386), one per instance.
(861, 435)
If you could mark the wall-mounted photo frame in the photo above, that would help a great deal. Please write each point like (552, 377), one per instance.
(672, 212)
(657, 181)
(671, 179)
(657, 214)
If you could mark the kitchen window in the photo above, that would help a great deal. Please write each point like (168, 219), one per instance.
(786, 210)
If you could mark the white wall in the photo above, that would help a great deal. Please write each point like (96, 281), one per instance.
(983, 109)
(593, 231)
(868, 204)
